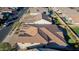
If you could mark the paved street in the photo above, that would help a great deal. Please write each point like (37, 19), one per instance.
(4, 32)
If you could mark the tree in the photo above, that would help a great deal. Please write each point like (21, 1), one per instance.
(50, 13)
(5, 46)
(57, 21)
(6, 15)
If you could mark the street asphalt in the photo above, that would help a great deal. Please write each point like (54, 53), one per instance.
(5, 31)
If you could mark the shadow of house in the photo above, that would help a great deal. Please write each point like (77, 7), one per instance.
(47, 47)
(53, 45)
(52, 20)
(24, 35)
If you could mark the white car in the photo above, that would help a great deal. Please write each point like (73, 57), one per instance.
(8, 23)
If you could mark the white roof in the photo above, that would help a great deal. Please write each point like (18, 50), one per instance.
(42, 21)
(34, 13)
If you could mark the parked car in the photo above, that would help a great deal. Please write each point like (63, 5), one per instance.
(8, 23)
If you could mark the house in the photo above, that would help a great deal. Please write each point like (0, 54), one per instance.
(6, 9)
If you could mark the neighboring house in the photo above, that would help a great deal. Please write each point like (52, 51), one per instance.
(8, 9)
(1, 16)
(5, 12)
(5, 9)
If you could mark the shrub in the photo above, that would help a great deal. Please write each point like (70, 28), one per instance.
(57, 21)
(5, 46)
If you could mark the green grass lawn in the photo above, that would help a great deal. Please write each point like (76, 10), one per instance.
(57, 21)
(5, 46)
(76, 29)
